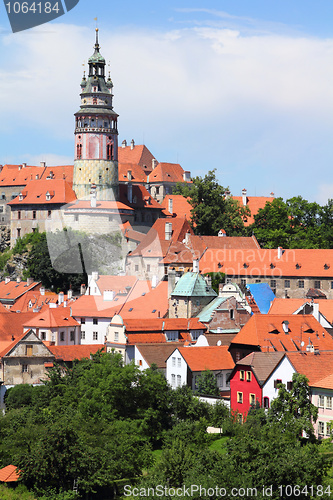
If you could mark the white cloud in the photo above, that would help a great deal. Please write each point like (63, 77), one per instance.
(213, 95)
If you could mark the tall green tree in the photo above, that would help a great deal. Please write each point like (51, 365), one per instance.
(207, 384)
(212, 209)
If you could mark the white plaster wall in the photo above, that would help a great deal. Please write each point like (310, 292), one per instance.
(284, 372)
(89, 328)
(139, 359)
(173, 368)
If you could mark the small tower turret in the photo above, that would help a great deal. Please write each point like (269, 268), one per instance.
(96, 134)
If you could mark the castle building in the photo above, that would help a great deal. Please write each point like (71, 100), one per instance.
(96, 134)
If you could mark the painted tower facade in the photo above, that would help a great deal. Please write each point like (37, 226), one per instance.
(96, 134)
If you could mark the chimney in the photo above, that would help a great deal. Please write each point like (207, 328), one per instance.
(227, 194)
(7, 280)
(279, 252)
(108, 295)
(30, 281)
(20, 167)
(171, 281)
(124, 143)
(43, 164)
(196, 265)
(187, 176)
(315, 311)
(154, 163)
(170, 205)
(168, 230)
(93, 196)
(65, 303)
(244, 197)
(42, 290)
(285, 326)
(69, 294)
(83, 289)
(154, 281)
(130, 192)
(60, 297)
(208, 280)
(272, 194)
(129, 175)
(18, 279)
(132, 144)
(187, 237)
(24, 165)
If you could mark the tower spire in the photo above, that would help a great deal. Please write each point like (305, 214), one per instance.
(97, 43)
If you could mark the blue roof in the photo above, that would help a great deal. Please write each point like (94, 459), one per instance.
(263, 295)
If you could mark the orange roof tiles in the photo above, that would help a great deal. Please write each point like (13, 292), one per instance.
(290, 306)
(37, 191)
(64, 172)
(71, 352)
(140, 197)
(11, 325)
(315, 367)
(139, 155)
(12, 290)
(160, 324)
(52, 318)
(155, 244)
(115, 283)
(254, 203)
(167, 172)
(33, 299)
(17, 175)
(207, 358)
(325, 383)
(266, 331)
(9, 474)
(137, 173)
(265, 262)
(180, 206)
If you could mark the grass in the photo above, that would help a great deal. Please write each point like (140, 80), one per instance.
(18, 492)
(219, 445)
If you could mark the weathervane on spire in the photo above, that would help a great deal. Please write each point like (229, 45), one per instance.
(96, 29)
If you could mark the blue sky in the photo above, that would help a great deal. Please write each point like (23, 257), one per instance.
(243, 86)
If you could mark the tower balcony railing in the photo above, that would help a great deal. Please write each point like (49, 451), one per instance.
(96, 129)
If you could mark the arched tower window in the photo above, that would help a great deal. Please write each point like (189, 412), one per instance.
(79, 151)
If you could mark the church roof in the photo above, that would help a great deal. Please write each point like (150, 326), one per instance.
(193, 285)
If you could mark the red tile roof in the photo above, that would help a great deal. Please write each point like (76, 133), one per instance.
(266, 331)
(52, 318)
(141, 198)
(9, 474)
(71, 352)
(35, 299)
(265, 262)
(139, 155)
(167, 172)
(35, 193)
(137, 173)
(155, 244)
(180, 206)
(116, 283)
(16, 175)
(149, 338)
(290, 306)
(254, 203)
(207, 358)
(13, 289)
(314, 366)
(324, 383)
(12, 324)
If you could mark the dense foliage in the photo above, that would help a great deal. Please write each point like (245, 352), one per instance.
(212, 209)
(109, 426)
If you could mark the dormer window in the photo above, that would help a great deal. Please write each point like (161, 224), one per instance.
(49, 195)
(326, 266)
(298, 266)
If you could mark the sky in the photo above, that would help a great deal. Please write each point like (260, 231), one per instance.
(241, 86)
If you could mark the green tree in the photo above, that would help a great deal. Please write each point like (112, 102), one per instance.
(293, 409)
(212, 210)
(207, 384)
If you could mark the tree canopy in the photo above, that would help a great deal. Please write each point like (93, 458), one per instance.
(212, 209)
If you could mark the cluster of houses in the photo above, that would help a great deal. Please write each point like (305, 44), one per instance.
(271, 317)
(166, 314)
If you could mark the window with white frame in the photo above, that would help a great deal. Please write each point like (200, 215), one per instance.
(173, 380)
(83, 335)
(329, 402)
(95, 335)
(116, 336)
(179, 362)
(179, 380)
(321, 401)
(321, 428)
(219, 379)
(173, 361)
(171, 336)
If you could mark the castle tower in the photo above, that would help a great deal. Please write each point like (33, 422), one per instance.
(96, 134)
